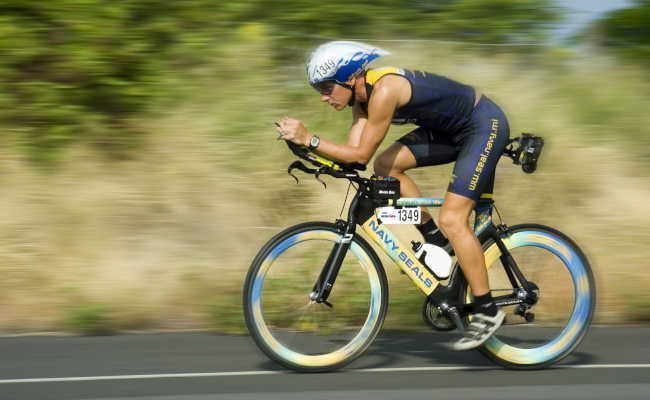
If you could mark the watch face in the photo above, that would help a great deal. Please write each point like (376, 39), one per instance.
(315, 141)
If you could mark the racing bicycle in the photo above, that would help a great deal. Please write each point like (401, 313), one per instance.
(316, 294)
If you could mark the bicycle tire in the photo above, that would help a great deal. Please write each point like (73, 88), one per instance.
(565, 252)
(259, 299)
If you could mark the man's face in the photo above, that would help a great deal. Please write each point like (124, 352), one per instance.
(333, 94)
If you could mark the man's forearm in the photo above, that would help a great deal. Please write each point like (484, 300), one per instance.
(341, 152)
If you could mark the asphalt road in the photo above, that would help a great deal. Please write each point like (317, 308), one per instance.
(611, 363)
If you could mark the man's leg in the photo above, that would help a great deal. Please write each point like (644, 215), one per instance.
(454, 221)
(394, 162)
(487, 318)
(399, 158)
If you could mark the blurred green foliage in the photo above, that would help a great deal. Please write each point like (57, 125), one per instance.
(224, 313)
(501, 21)
(484, 21)
(626, 31)
(89, 319)
(89, 69)
(73, 69)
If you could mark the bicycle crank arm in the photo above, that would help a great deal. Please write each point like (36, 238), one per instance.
(454, 313)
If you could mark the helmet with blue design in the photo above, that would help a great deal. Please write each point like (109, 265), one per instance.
(340, 60)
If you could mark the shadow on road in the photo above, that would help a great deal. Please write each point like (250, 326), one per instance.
(393, 349)
(430, 349)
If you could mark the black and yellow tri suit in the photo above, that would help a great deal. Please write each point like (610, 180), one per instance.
(452, 126)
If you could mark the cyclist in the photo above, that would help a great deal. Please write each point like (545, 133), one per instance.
(455, 123)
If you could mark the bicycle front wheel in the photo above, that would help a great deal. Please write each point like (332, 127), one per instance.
(566, 293)
(298, 333)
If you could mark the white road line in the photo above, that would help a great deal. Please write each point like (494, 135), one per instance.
(127, 377)
(248, 373)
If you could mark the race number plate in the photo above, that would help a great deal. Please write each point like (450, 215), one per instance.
(402, 215)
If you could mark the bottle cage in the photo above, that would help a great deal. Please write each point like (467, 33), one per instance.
(525, 151)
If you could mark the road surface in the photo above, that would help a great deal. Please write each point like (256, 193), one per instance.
(610, 363)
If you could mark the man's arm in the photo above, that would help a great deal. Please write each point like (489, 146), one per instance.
(359, 120)
(365, 136)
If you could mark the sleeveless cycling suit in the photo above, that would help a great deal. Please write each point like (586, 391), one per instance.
(450, 128)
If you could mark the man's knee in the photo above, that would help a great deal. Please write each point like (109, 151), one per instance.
(450, 221)
(454, 220)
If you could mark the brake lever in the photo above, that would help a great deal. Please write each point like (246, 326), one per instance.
(317, 175)
(299, 165)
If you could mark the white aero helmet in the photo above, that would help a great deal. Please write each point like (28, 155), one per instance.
(338, 61)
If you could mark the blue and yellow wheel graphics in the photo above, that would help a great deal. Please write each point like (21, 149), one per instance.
(358, 342)
(581, 313)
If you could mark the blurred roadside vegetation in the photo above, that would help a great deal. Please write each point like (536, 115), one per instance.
(140, 168)
(624, 32)
(88, 70)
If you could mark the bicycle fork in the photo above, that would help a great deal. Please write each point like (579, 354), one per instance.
(330, 271)
(325, 282)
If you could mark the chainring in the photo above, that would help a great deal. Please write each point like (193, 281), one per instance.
(433, 317)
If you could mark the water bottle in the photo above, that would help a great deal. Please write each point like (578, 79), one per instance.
(435, 258)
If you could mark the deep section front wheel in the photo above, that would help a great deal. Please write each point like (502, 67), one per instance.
(297, 332)
(550, 330)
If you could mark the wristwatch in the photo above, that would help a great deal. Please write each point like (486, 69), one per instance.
(314, 142)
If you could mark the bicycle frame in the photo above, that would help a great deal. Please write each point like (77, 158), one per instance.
(362, 212)
(402, 255)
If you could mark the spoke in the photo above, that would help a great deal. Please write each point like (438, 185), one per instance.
(293, 329)
(300, 311)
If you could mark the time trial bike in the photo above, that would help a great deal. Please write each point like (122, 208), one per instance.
(316, 294)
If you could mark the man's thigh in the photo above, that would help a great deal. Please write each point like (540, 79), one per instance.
(397, 157)
(429, 148)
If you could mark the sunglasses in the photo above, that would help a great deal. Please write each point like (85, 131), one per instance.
(326, 87)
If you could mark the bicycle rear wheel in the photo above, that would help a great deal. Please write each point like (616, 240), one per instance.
(293, 330)
(566, 294)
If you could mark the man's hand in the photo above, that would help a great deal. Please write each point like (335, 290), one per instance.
(294, 131)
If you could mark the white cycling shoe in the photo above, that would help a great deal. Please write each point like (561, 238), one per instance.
(479, 330)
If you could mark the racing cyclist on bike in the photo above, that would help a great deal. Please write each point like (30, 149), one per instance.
(455, 123)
